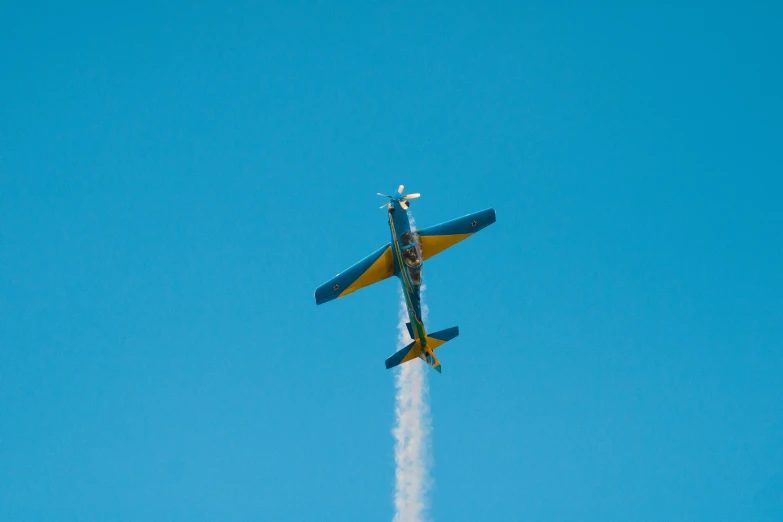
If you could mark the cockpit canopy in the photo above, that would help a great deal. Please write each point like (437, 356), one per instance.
(411, 253)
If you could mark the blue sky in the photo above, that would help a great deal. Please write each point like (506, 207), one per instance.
(175, 182)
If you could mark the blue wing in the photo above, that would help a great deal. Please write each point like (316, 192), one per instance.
(437, 238)
(376, 267)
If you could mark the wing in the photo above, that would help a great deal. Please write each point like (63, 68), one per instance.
(376, 267)
(438, 238)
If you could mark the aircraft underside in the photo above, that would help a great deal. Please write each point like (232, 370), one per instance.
(404, 257)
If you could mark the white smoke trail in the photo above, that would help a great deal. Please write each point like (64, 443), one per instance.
(411, 432)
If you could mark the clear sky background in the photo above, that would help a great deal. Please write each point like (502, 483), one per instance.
(176, 180)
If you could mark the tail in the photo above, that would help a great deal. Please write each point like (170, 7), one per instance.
(414, 350)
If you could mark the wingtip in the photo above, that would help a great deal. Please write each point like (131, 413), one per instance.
(494, 215)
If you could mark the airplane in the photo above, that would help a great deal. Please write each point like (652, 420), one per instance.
(404, 258)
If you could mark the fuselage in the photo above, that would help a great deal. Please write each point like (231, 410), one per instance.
(408, 264)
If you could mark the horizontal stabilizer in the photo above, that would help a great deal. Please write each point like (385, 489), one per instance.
(414, 350)
(406, 354)
(442, 337)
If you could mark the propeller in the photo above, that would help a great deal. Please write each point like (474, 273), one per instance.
(403, 199)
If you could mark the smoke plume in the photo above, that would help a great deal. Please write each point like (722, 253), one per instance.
(411, 433)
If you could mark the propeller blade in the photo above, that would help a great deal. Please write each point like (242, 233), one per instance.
(399, 190)
(412, 196)
(384, 195)
(404, 204)
(384, 205)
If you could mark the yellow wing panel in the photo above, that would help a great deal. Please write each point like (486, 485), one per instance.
(433, 245)
(435, 343)
(413, 353)
(382, 268)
